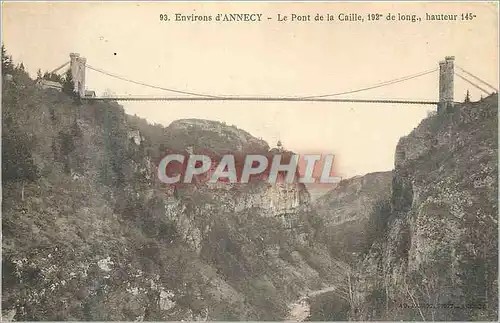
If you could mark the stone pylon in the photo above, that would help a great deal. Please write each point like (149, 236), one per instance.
(77, 67)
(446, 84)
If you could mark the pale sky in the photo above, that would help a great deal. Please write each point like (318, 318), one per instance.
(267, 58)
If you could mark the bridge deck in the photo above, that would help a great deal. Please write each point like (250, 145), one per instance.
(258, 99)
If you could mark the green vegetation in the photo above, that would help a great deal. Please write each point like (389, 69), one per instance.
(7, 64)
(328, 307)
(68, 84)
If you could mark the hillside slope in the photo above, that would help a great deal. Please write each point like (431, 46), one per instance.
(89, 233)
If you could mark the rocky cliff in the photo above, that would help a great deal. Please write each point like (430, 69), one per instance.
(346, 213)
(436, 255)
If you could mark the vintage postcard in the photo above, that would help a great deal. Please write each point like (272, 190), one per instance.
(249, 161)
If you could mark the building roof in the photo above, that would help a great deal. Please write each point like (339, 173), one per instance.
(50, 83)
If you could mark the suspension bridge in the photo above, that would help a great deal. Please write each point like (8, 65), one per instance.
(447, 70)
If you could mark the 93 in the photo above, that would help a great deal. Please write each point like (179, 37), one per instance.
(164, 17)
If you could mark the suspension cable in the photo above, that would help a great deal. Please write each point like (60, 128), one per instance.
(57, 69)
(390, 82)
(378, 85)
(149, 85)
(477, 78)
(472, 83)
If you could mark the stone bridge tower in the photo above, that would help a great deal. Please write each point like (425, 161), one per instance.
(446, 73)
(77, 66)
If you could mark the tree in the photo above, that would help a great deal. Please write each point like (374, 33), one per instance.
(52, 77)
(467, 97)
(18, 165)
(68, 84)
(39, 74)
(7, 65)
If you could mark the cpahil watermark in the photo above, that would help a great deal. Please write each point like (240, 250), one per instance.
(231, 168)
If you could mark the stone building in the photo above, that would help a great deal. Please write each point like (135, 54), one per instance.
(446, 74)
(77, 67)
(46, 84)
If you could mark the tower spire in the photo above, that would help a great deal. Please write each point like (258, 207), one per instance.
(279, 145)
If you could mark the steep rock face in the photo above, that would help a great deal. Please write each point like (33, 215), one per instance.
(317, 190)
(274, 199)
(287, 202)
(437, 256)
(346, 213)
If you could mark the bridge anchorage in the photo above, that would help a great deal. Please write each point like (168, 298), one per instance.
(447, 71)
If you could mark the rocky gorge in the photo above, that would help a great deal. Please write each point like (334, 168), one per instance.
(90, 233)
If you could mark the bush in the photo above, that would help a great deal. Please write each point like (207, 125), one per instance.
(377, 226)
(17, 160)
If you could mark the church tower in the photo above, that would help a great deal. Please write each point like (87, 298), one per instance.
(279, 145)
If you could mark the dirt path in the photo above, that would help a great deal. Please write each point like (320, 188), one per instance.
(300, 309)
